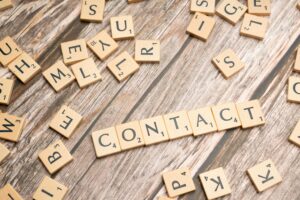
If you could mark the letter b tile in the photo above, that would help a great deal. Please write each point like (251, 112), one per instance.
(55, 157)
(178, 182)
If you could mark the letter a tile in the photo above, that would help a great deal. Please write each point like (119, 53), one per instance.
(178, 182)
(65, 121)
(4, 152)
(106, 142)
(295, 136)
(130, 135)
(294, 89)
(59, 76)
(50, 189)
(178, 124)
(9, 193)
(215, 183)
(11, 127)
(55, 157)
(264, 175)
(6, 88)
(250, 114)
(9, 50)
(226, 116)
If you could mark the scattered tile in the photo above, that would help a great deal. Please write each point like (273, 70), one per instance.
(6, 88)
(226, 116)
(294, 89)
(204, 6)
(74, 51)
(295, 136)
(297, 61)
(9, 50)
(11, 127)
(250, 114)
(258, 7)
(9, 193)
(254, 26)
(231, 10)
(4, 152)
(147, 50)
(122, 27)
(92, 10)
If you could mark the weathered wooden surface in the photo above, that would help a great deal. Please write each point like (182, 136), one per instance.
(185, 79)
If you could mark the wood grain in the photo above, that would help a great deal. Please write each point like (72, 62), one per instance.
(184, 79)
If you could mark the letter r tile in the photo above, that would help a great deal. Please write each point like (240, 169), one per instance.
(55, 156)
(264, 175)
(178, 182)
(215, 183)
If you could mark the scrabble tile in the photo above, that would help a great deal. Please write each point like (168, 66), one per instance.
(74, 51)
(5, 4)
(147, 50)
(55, 156)
(86, 72)
(122, 27)
(203, 6)
(59, 76)
(92, 10)
(215, 183)
(165, 198)
(50, 189)
(254, 26)
(295, 136)
(231, 10)
(226, 116)
(123, 66)
(9, 193)
(4, 152)
(130, 135)
(228, 63)
(6, 88)
(264, 175)
(250, 114)
(102, 45)
(201, 26)
(294, 89)
(202, 121)
(154, 130)
(11, 127)
(259, 7)
(24, 67)
(65, 121)
(9, 50)
(178, 124)
(297, 61)
(106, 142)
(178, 182)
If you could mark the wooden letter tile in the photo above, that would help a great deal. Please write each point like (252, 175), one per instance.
(250, 114)
(264, 175)
(11, 127)
(50, 189)
(55, 156)
(147, 50)
(130, 135)
(226, 116)
(9, 193)
(4, 152)
(201, 26)
(202, 121)
(215, 183)
(24, 67)
(259, 7)
(178, 124)
(295, 136)
(102, 45)
(106, 142)
(6, 88)
(59, 76)
(297, 61)
(123, 66)
(9, 50)
(86, 72)
(122, 27)
(74, 51)
(65, 121)
(154, 130)
(228, 63)
(203, 6)
(294, 89)
(178, 182)
(231, 10)
(254, 26)
(92, 10)
(5, 4)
